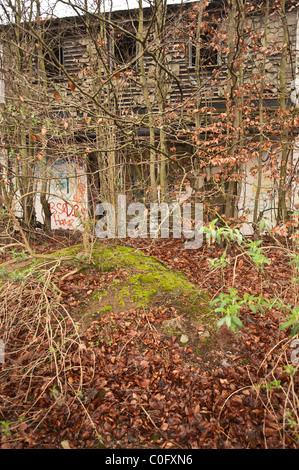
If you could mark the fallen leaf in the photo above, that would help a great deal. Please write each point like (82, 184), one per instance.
(144, 383)
(65, 445)
(72, 85)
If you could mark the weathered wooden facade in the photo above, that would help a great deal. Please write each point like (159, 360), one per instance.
(74, 48)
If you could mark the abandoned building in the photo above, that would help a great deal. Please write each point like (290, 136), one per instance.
(137, 102)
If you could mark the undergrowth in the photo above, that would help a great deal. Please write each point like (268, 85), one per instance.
(43, 346)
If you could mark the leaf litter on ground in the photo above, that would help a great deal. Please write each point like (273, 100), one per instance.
(131, 386)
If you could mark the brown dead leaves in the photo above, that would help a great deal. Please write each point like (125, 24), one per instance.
(142, 389)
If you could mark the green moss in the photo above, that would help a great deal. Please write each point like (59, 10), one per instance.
(124, 292)
(70, 251)
(106, 308)
(99, 294)
(148, 280)
(156, 436)
(106, 257)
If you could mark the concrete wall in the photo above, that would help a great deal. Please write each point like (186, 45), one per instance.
(68, 194)
(268, 197)
(268, 194)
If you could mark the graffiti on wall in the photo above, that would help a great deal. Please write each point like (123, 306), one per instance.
(68, 194)
(265, 203)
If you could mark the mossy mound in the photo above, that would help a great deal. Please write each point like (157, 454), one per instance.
(148, 281)
(133, 280)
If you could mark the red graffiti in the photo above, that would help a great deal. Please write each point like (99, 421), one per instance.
(63, 221)
(65, 214)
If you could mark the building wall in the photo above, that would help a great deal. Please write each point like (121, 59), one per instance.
(131, 97)
(268, 196)
(68, 200)
(68, 194)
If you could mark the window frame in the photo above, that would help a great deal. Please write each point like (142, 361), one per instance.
(117, 61)
(191, 55)
(56, 72)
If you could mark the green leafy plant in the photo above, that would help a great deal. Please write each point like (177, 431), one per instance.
(229, 307)
(219, 234)
(271, 385)
(18, 255)
(54, 392)
(292, 423)
(5, 428)
(293, 321)
(221, 262)
(289, 369)
(256, 254)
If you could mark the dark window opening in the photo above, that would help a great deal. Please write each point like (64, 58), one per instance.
(53, 61)
(125, 48)
(209, 57)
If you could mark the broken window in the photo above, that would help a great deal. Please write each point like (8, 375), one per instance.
(209, 56)
(53, 59)
(125, 48)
